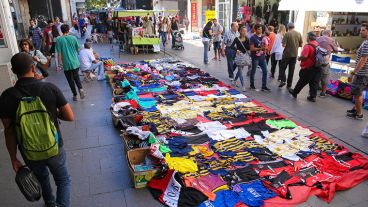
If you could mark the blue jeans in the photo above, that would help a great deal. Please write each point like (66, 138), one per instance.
(37, 44)
(99, 69)
(59, 170)
(163, 37)
(230, 57)
(239, 74)
(206, 45)
(261, 61)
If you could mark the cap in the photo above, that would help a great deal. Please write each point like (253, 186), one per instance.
(290, 25)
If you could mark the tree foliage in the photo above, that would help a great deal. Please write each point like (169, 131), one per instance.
(95, 4)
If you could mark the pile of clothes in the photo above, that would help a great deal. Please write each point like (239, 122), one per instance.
(218, 147)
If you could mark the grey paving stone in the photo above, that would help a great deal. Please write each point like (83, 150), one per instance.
(109, 139)
(356, 195)
(80, 186)
(140, 198)
(113, 199)
(109, 182)
(361, 204)
(113, 164)
(81, 143)
(82, 201)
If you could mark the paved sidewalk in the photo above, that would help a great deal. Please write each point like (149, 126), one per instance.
(97, 163)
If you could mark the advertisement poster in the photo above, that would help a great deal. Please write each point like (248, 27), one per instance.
(210, 14)
(194, 14)
(2, 37)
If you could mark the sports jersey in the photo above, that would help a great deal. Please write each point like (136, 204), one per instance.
(206, 184)
(225, 198)
(254, 193)
(182, 165)
(281, 124)
(170, 191)
(241, 175)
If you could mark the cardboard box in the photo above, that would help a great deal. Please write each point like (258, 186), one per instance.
(141, 178)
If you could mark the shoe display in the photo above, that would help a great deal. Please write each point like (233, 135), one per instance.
(311, 99)
(291, 91)
(82, 94)
(266, 89)
(282, 84)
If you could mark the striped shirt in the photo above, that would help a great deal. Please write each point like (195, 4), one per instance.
(35, 33)
(363, 52)
(229, 37)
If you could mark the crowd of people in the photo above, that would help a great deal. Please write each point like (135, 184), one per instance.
(252, 45)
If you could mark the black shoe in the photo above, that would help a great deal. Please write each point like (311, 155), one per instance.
(351, 111)
(253, 88)
(311, 99)
(291, 91)
(266, 89)
(282, 84)
(355, 116)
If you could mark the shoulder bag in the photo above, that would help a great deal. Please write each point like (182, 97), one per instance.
(242, 58)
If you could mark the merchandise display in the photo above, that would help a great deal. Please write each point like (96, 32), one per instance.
(199, 142)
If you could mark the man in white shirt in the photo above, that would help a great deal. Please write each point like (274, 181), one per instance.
(88, 62)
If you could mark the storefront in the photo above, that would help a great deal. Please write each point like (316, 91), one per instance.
(265, 9)
(201, 9)
(343, 17)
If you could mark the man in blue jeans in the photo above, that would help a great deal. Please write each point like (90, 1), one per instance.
(258, 57)
(58, 108)
(228, 51)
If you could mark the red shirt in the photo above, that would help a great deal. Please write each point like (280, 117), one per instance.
(310, 54)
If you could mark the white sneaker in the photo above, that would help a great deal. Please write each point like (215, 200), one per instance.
(244, 89)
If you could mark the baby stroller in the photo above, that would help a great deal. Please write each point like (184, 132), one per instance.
(178, 41)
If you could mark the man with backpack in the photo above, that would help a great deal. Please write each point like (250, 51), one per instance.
(309, 73)
(29, 112)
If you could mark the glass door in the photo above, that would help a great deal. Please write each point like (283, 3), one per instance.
(224, 13)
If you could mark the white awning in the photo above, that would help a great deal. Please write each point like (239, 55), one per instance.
(325, 5)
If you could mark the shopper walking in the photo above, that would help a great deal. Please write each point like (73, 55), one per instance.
(327, 43)
(272, 38)
(206, 38)
(359, 77)
(82, 25)
(258, 58)
(277, 51)
(164, 28)
(217, 38)
(67, 47)
(309, 73)
(241, 46)
(226, 48)
(38, 58)
(52, 100)
(291, 42)
(174, 27)
(35, 34)
(48, 38)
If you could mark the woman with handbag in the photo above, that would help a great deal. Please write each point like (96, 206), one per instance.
(206, 38)
(242, 58)
(38, 58)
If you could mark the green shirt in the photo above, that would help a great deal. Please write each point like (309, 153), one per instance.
(292, 40)
(67, 46)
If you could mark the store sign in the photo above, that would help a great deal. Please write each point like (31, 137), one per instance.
(210, 15)
(2, 36)
(194, 14)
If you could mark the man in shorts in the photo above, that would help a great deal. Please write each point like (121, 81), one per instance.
(217, 37)
(327, 43)
(359, 77)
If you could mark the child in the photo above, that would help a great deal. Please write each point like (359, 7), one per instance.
(110, 36)
(265, 42)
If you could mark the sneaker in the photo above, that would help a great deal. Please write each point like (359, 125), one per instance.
(311, 99)
(231, 79)
(75, 98)
(82, 94)
(355, 116)
(265, 89)
(244, 89)
(351, 111)
(253, 88)
(291, 91)
(282, 84)
(322, 95)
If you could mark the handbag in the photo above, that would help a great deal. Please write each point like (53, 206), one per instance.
(242, 58)
(43, 67)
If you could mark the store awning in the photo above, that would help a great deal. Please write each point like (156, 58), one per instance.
(325, 5)
(128, 13)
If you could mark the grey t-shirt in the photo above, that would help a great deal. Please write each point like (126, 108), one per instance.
(363, 52)
(215, 30)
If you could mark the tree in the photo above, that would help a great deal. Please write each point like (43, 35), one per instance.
(95, 4)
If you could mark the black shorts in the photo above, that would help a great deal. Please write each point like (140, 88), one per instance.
(358, 85)
(217, 45)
